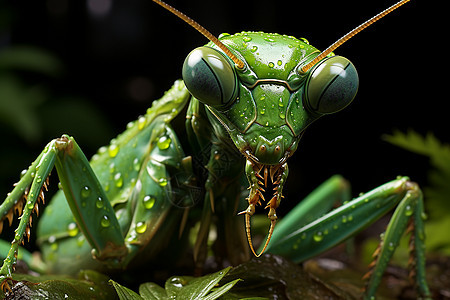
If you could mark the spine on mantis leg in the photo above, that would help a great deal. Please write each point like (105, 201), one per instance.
(36, 175)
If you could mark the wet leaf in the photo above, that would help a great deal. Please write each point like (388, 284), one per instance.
(88, 285)
(125, 293)
(181, 287)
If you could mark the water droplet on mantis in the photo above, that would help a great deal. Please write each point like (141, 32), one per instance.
(141, 123)
(280, 102)
(318, 236)
(254, 49)
(271, 65)
(408, 210)
(279, 62)
(85, 192)
(141, 227)
(105, 222)
(99, 202)
(391, 246)
(80, 240)
(247, 39)
(118, 180)
(149, 201)
(163, 142)
(72, 229)
(113, 150)
(162, 181)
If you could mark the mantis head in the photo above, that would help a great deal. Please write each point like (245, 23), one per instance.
(266, 89)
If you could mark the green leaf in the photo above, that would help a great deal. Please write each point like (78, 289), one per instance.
(199, 287)
(222, 290)
(29, 58)
(88, 285)
(183, 288)
(152, 291)
(124, 292)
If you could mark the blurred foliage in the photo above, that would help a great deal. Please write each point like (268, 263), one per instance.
(18, 99)
(29, 105)
(437, 192)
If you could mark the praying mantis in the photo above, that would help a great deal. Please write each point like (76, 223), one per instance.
(249, 97)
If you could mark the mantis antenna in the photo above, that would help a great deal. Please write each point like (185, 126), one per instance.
(351, 34)
(239, 63)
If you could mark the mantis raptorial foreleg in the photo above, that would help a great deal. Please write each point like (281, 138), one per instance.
(82, 191)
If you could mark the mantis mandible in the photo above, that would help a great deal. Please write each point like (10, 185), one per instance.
(250, 96)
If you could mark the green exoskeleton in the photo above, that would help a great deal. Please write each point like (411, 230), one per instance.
(250, 96)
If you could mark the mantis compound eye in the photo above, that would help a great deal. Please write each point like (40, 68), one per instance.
(331, 85)
(210, 77)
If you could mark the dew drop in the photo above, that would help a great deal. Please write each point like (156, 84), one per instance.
(162, 182)
(24, 171)
(118, 180)
(254, 49)
(105, 222)
(80, 240)
(304, 41)
(408, 211)
(247, 39)
(163, 142)
(85, 192)
(149, 201)
(282, 115)
(279, 62)
(391, 246)
(271, 65)
(99, 202)
(141, 123)
(113, 150)
(318, 236)
(112, 167)
(102, 150)
(344, 219)
(141, 227)
(72, 229)
(136, 164)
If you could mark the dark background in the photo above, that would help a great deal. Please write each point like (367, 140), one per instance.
(117, 56)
